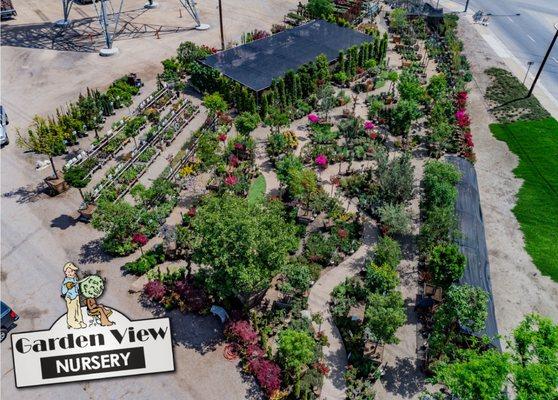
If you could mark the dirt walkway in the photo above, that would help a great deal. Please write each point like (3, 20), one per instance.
(518, 287)
(318, 302)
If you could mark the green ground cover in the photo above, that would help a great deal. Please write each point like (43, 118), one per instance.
(536, 145)
(256, 191)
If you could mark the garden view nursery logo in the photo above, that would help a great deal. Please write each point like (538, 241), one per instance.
(90, 342)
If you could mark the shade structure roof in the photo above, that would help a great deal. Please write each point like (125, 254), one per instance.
(472, 241)
(257, 63)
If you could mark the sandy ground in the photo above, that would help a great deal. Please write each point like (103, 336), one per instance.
(39, 233)
(518, 286)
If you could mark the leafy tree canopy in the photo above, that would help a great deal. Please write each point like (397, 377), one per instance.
(243, 244)
(297, 348)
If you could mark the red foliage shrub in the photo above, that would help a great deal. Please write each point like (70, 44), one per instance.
(321, 367)
(267, 373)
(241, 332)
(155, 290)
(254, 351)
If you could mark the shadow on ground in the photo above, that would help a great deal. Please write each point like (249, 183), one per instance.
(403, 378)
(27, 194)
(82, 35)
(92, 252)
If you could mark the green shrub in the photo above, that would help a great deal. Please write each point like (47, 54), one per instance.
(439, 227)
(145, 262)
(395, 219)
(447, 264)
(381, 278)
(388, 252)
(246, 122)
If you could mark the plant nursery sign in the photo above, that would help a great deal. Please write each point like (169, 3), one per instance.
(90, 342)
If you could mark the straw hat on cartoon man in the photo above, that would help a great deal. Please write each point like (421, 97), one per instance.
(70, 291)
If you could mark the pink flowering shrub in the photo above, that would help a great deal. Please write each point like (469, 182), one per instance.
(369, 125)
(154, 290)
(313, 118)
(267, 373)
(463, 119)
(321, 160)
(231, 180)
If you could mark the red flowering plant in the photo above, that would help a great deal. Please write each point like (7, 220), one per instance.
(154, 290)
(233, 161)
(140, 239)
(462, 118)
(461, 100)
(267, 373)
(231, 180)
(192, 212)
(223, 137)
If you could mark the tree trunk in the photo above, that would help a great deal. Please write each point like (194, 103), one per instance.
(53, 167)
(81, 193)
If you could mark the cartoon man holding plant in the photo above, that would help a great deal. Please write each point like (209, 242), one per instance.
(70, 292)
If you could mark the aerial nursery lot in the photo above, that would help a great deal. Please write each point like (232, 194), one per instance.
(292, 202)
(536, 145)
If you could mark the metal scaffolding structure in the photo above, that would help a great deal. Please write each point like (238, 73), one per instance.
(109, 17)
(66, 8)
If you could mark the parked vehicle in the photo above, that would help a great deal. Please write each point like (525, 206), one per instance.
(9, 317)
(4, 139)
(7, 9)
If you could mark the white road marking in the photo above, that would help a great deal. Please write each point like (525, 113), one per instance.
(511, 20)
(529, 36)
(555, 60)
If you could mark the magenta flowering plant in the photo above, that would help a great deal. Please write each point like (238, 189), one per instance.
(462, 118)
(231, 180)
(369, 125)
(140, 239)
(321, 160)
(313, 118)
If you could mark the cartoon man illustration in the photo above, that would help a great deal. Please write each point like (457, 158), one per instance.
(92, 287)
(70, 291)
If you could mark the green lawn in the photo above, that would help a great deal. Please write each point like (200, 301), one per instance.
(536, 144)
(256, 191)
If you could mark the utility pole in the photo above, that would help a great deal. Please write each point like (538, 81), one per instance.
(544, 60)
(221, 24)
(466, 6)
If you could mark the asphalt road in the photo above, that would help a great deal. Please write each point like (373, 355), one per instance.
(526, 36)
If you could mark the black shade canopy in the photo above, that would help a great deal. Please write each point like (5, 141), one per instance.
(472, 241)
(257, 63)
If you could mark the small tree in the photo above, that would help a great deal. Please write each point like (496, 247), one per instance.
(476, 376)
(447, 263)
(381, 278)
(403, 115)
(534, 348)
(383, 316)
(326, 99)
(388, 252)
(43, 138)
(246, 122)
(76, 176)
(319, 9)
(276, 119)
(215, 103)
(398, 19)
